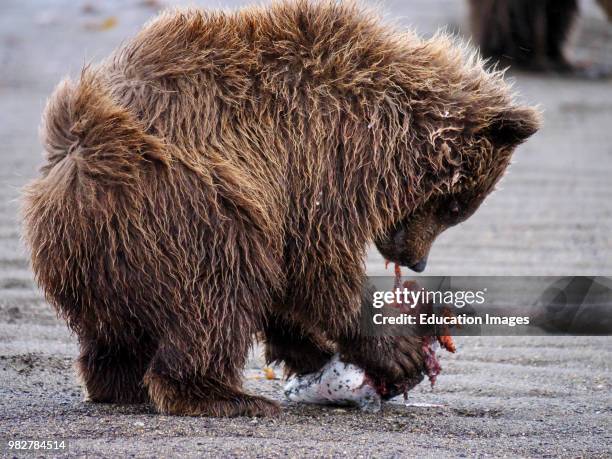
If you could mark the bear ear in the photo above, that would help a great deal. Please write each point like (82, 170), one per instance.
(513, 126)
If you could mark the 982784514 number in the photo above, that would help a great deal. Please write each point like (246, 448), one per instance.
(36, 445)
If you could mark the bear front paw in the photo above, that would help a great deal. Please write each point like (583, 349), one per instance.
(393, 360)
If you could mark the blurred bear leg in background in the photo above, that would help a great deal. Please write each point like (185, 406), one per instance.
(606, 5)
(531, 34)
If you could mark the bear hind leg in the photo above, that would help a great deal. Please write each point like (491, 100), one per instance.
(178, 384)
(199, 398)
(113, 373)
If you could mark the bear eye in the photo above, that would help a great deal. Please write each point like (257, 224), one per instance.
(450, 211)
(453, 208)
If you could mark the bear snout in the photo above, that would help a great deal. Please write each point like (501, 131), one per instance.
(420, 266)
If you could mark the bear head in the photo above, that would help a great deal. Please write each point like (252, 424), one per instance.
(466, 166)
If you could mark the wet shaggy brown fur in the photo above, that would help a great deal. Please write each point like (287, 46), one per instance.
(222, 174)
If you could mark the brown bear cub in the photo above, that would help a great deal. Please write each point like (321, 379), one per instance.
(221, 175)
